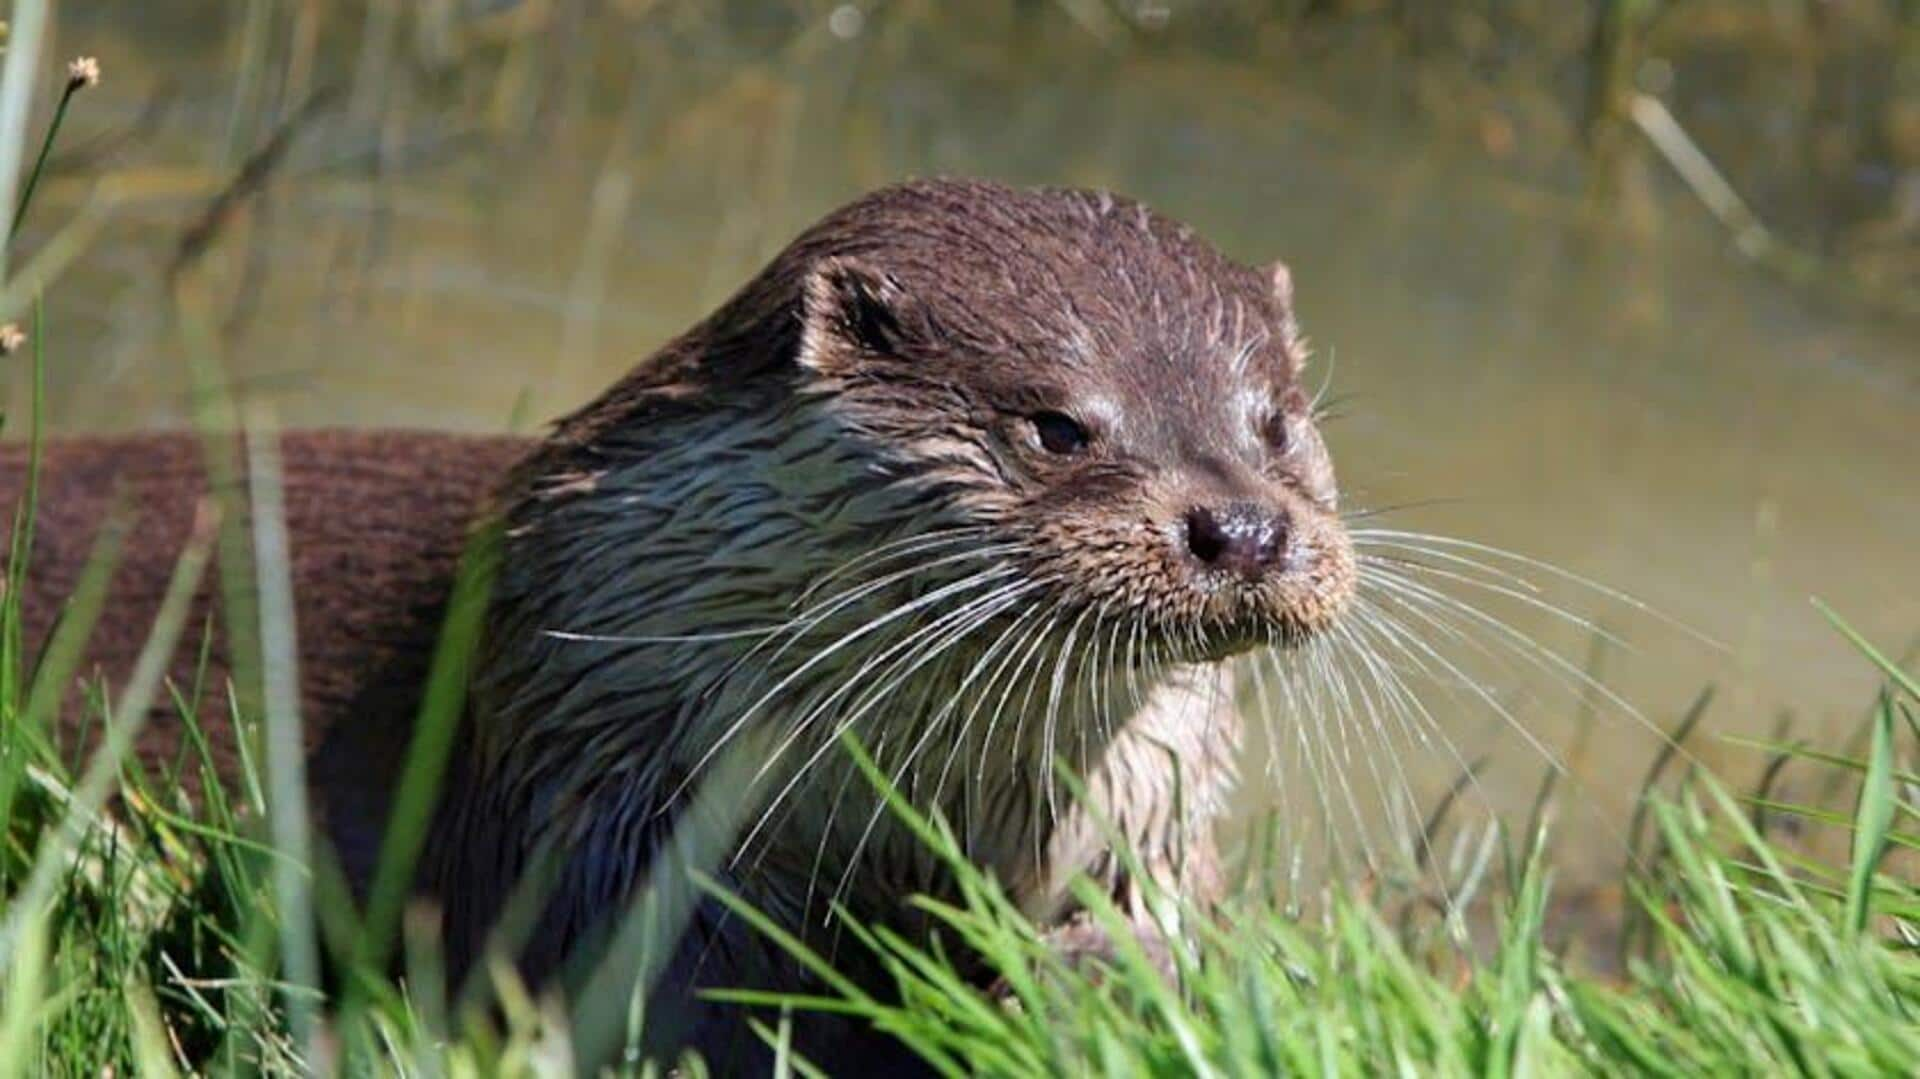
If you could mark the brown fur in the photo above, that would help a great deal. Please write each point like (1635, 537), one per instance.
(887, 377)
(377, 521)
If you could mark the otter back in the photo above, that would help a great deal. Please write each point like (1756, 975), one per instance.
(377, 520)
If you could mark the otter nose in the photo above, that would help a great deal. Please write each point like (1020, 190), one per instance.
(1239, 538)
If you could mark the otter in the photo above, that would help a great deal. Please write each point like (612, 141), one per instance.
(992, 480)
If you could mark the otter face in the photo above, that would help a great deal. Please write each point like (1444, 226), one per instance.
(1109, 395)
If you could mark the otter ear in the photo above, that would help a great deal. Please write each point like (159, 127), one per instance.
(1280, 282)
(852, 311)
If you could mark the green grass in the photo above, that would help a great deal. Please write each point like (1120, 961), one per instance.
(1758, 961)
(147, 940)
(144, 930)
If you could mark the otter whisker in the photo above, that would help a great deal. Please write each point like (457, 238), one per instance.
(1011, 640)
(878, 812)
(1051, 723)
(1377, 738)
(907, 656)
(1294, 698)
(1458, 626)
(1092, 670)
(796, 626)
(1019, 641)
(1554, 664)
(905, 546)
(1107, 679)
(1362, 616)
(1036, 636)
(967, 620)
(1327, 698)
(1420, 721)
(1422, 598)
(1349, 725)
(682, 638)
(1368, 540)
(821, 612)
(1014, 582)
(1358, 513)
(960, 739)
(1346, 653)
(910, 651)
(1432, 541)
(1411, 644)
(1314, 704)
(1326, 383)
(1357, 720)
(1045, 775)
(853, 596)
(1415, 648)
(824, 609)
(1379, 562)
(1088, 725)
(1034, 655)
(1135, 660)
(1464, 692)
(1414, 721)
(1026, 706)
(967, 625)
(740, 721)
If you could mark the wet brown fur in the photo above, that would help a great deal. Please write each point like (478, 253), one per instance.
(377, 520)
(900, 348)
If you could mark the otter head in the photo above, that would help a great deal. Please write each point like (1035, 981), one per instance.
(1117, 403)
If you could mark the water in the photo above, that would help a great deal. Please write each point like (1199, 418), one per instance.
(495, 221)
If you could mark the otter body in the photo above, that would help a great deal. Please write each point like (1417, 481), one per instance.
(983, 477)
(377, 521)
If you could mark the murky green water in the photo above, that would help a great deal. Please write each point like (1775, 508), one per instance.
(473, 235)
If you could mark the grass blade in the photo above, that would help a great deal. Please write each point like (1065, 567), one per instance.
(434, 731)
(1900, 678)
(286, 753)
(124, 725)
(1872, 819)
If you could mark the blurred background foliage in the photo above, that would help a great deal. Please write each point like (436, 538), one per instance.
(1632, 286)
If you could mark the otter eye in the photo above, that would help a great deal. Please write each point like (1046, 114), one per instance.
(1059, 433)
(1279, 432)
